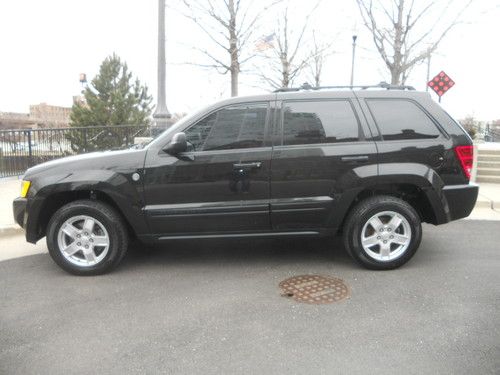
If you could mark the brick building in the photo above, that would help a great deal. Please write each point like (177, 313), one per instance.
(40, 116)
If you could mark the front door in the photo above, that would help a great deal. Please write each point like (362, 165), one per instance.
(221, 184)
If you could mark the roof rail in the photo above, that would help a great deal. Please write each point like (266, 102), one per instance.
(381, 85)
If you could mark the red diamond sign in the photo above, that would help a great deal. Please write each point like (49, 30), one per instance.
(441, 83)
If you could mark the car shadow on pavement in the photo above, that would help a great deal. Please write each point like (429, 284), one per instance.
(233, 252)
(299, 254)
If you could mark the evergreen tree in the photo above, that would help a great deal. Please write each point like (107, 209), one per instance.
(112, 98)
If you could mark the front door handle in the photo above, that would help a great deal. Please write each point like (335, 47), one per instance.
(253, 165)
(358, 158)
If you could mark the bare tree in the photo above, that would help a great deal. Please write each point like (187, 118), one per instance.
(285, 59)
(229, 24)
(471, 125)
(393, 28)
(320, 51)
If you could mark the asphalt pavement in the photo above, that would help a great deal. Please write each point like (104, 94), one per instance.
(214, 307)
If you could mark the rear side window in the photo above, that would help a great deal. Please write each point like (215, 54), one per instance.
(234, 127)
(309, 122)
(402, 119)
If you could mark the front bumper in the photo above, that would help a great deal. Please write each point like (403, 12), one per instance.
(461, 199)
(22, 208)
(25, 213)
(20, 212)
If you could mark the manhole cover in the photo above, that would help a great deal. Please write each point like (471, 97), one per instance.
(314, 289)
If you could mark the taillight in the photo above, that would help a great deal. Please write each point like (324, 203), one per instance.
(465, 155)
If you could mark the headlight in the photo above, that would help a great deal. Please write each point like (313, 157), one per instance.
(25, 186)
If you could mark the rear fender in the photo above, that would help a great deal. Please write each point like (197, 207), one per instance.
(419, 175)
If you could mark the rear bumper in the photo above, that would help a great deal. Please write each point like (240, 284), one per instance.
(461, 200)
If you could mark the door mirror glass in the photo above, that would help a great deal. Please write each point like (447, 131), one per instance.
(177, 145)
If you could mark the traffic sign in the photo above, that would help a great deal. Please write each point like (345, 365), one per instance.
(441, 83)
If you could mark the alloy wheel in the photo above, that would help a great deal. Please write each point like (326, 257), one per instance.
(386, 236)
(83, 240)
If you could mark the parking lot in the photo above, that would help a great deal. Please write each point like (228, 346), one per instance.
(217, 308)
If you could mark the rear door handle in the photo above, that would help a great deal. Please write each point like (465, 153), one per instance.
(253, 165)
(354, 158)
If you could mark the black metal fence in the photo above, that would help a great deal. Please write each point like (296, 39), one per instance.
(21, 149)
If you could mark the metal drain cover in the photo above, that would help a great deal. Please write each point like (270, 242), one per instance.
(314, 289)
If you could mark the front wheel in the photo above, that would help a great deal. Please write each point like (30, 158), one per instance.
(382, 232)
(87, 237)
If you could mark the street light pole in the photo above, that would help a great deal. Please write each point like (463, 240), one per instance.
(428, 72)
(354, 37)
(161, 114)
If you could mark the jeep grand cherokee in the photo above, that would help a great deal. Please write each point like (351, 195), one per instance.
(371, 164)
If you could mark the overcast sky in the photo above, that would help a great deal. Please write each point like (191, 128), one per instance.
(46, 44)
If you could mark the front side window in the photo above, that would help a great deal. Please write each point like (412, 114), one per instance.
(240, 126)
(402, 119)
(326, 121)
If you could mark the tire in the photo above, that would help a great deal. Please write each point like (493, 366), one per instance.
(364, 235)
(91, 249)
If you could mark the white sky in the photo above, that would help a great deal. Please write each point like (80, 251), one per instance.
(44, 45)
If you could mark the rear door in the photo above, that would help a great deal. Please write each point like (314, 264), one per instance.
(221, 185)
(321, 148)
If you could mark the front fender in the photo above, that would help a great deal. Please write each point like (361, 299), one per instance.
(125, 193)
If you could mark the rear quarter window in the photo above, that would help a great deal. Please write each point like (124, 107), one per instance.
(399, 119)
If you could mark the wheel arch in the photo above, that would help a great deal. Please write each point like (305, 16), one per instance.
(48, 201)
(410, 193)
(422, 197)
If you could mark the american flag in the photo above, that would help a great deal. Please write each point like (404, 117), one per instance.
(264, 43)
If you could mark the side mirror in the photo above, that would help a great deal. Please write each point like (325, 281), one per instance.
(177, 145)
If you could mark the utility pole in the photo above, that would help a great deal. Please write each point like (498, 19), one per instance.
(354, 37)
(161, 114)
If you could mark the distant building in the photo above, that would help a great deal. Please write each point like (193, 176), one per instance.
(495, 126)
(40, 116)
(13, 120)
(50, 115)
(493, 131)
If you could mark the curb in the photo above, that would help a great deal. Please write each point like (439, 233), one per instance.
(483, 203)
(487, 202)
(10, 230)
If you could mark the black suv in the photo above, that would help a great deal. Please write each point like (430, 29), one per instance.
(370, 163)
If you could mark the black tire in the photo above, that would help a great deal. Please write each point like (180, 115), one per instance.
(105, 215)
(362, 213)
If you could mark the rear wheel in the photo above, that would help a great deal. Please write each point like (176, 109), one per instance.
(87, 237)
(382, 232)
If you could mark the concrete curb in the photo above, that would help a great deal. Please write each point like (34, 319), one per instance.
(483, 203)
(10, 230)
